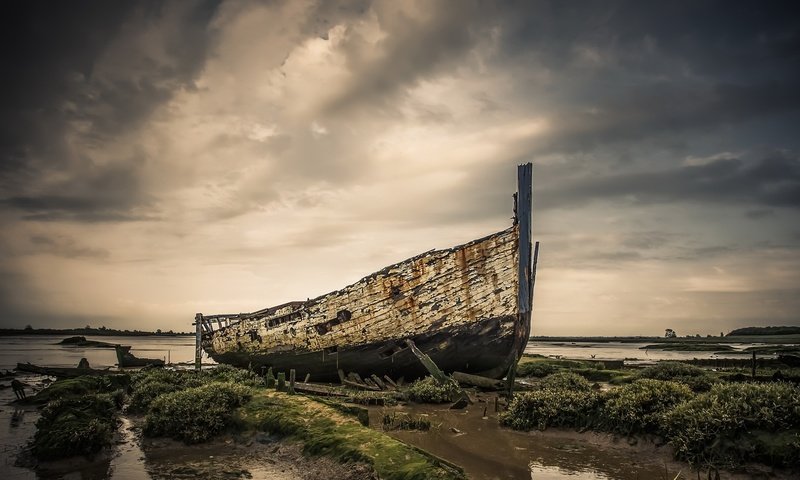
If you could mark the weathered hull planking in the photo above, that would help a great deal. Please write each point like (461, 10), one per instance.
(461, 306)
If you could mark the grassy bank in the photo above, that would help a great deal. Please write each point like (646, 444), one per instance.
(709, 422)
(80, 417)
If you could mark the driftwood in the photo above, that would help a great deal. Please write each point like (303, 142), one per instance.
(362, 386)
(478, 381)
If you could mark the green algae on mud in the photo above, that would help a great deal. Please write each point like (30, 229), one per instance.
(325, 431)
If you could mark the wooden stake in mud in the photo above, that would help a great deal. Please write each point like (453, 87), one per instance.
(281, 381)
(291, 381)
(308, 377)
(198, 337)
(754, 364)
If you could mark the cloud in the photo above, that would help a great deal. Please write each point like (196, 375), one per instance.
(213, 156)
(84, 78)
(772, 181)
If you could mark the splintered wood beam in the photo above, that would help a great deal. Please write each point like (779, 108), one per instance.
(429, 364)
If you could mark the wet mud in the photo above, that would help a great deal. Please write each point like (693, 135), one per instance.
(487, 451)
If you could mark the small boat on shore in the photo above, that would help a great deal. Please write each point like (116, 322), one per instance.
(126, 359)
(467, 307)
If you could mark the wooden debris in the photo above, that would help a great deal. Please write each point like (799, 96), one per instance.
(478, 381)
(378, 381)
(389, 381)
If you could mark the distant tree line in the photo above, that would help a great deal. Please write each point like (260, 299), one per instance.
(87, 330)
(765, 331)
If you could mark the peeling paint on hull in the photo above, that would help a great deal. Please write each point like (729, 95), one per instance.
(459, 305)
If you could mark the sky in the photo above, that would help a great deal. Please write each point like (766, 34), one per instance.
(162, 158)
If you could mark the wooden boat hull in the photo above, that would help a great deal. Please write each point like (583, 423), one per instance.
(467, 307)
(482, 348)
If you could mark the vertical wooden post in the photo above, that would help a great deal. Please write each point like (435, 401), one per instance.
(198, 338)
(524, 195)
(754, 364)
(524, 268)
(291, 381)
(281, 382)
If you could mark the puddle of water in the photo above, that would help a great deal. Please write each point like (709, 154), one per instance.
(128, 463)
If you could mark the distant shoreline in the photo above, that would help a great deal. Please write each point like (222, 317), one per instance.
(780, 339)
(97, 332)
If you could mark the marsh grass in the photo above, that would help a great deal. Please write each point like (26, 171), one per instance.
(80, 416)
(196, 414)
(638, 406)
(736, 423)
(726, 426)
(696, 378)
(540, 367)
(404, 421)
(428, 390)
(324, 431)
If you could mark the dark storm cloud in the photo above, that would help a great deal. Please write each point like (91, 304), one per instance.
(772, 181)
(80, 75)
(630, 71)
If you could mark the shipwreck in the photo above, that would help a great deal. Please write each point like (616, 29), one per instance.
(467, 307)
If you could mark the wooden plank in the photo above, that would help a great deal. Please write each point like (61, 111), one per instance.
(321, 390)
(198, 337)
(378, 381)
(478, 381)
(362, 386)
(389, 381)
